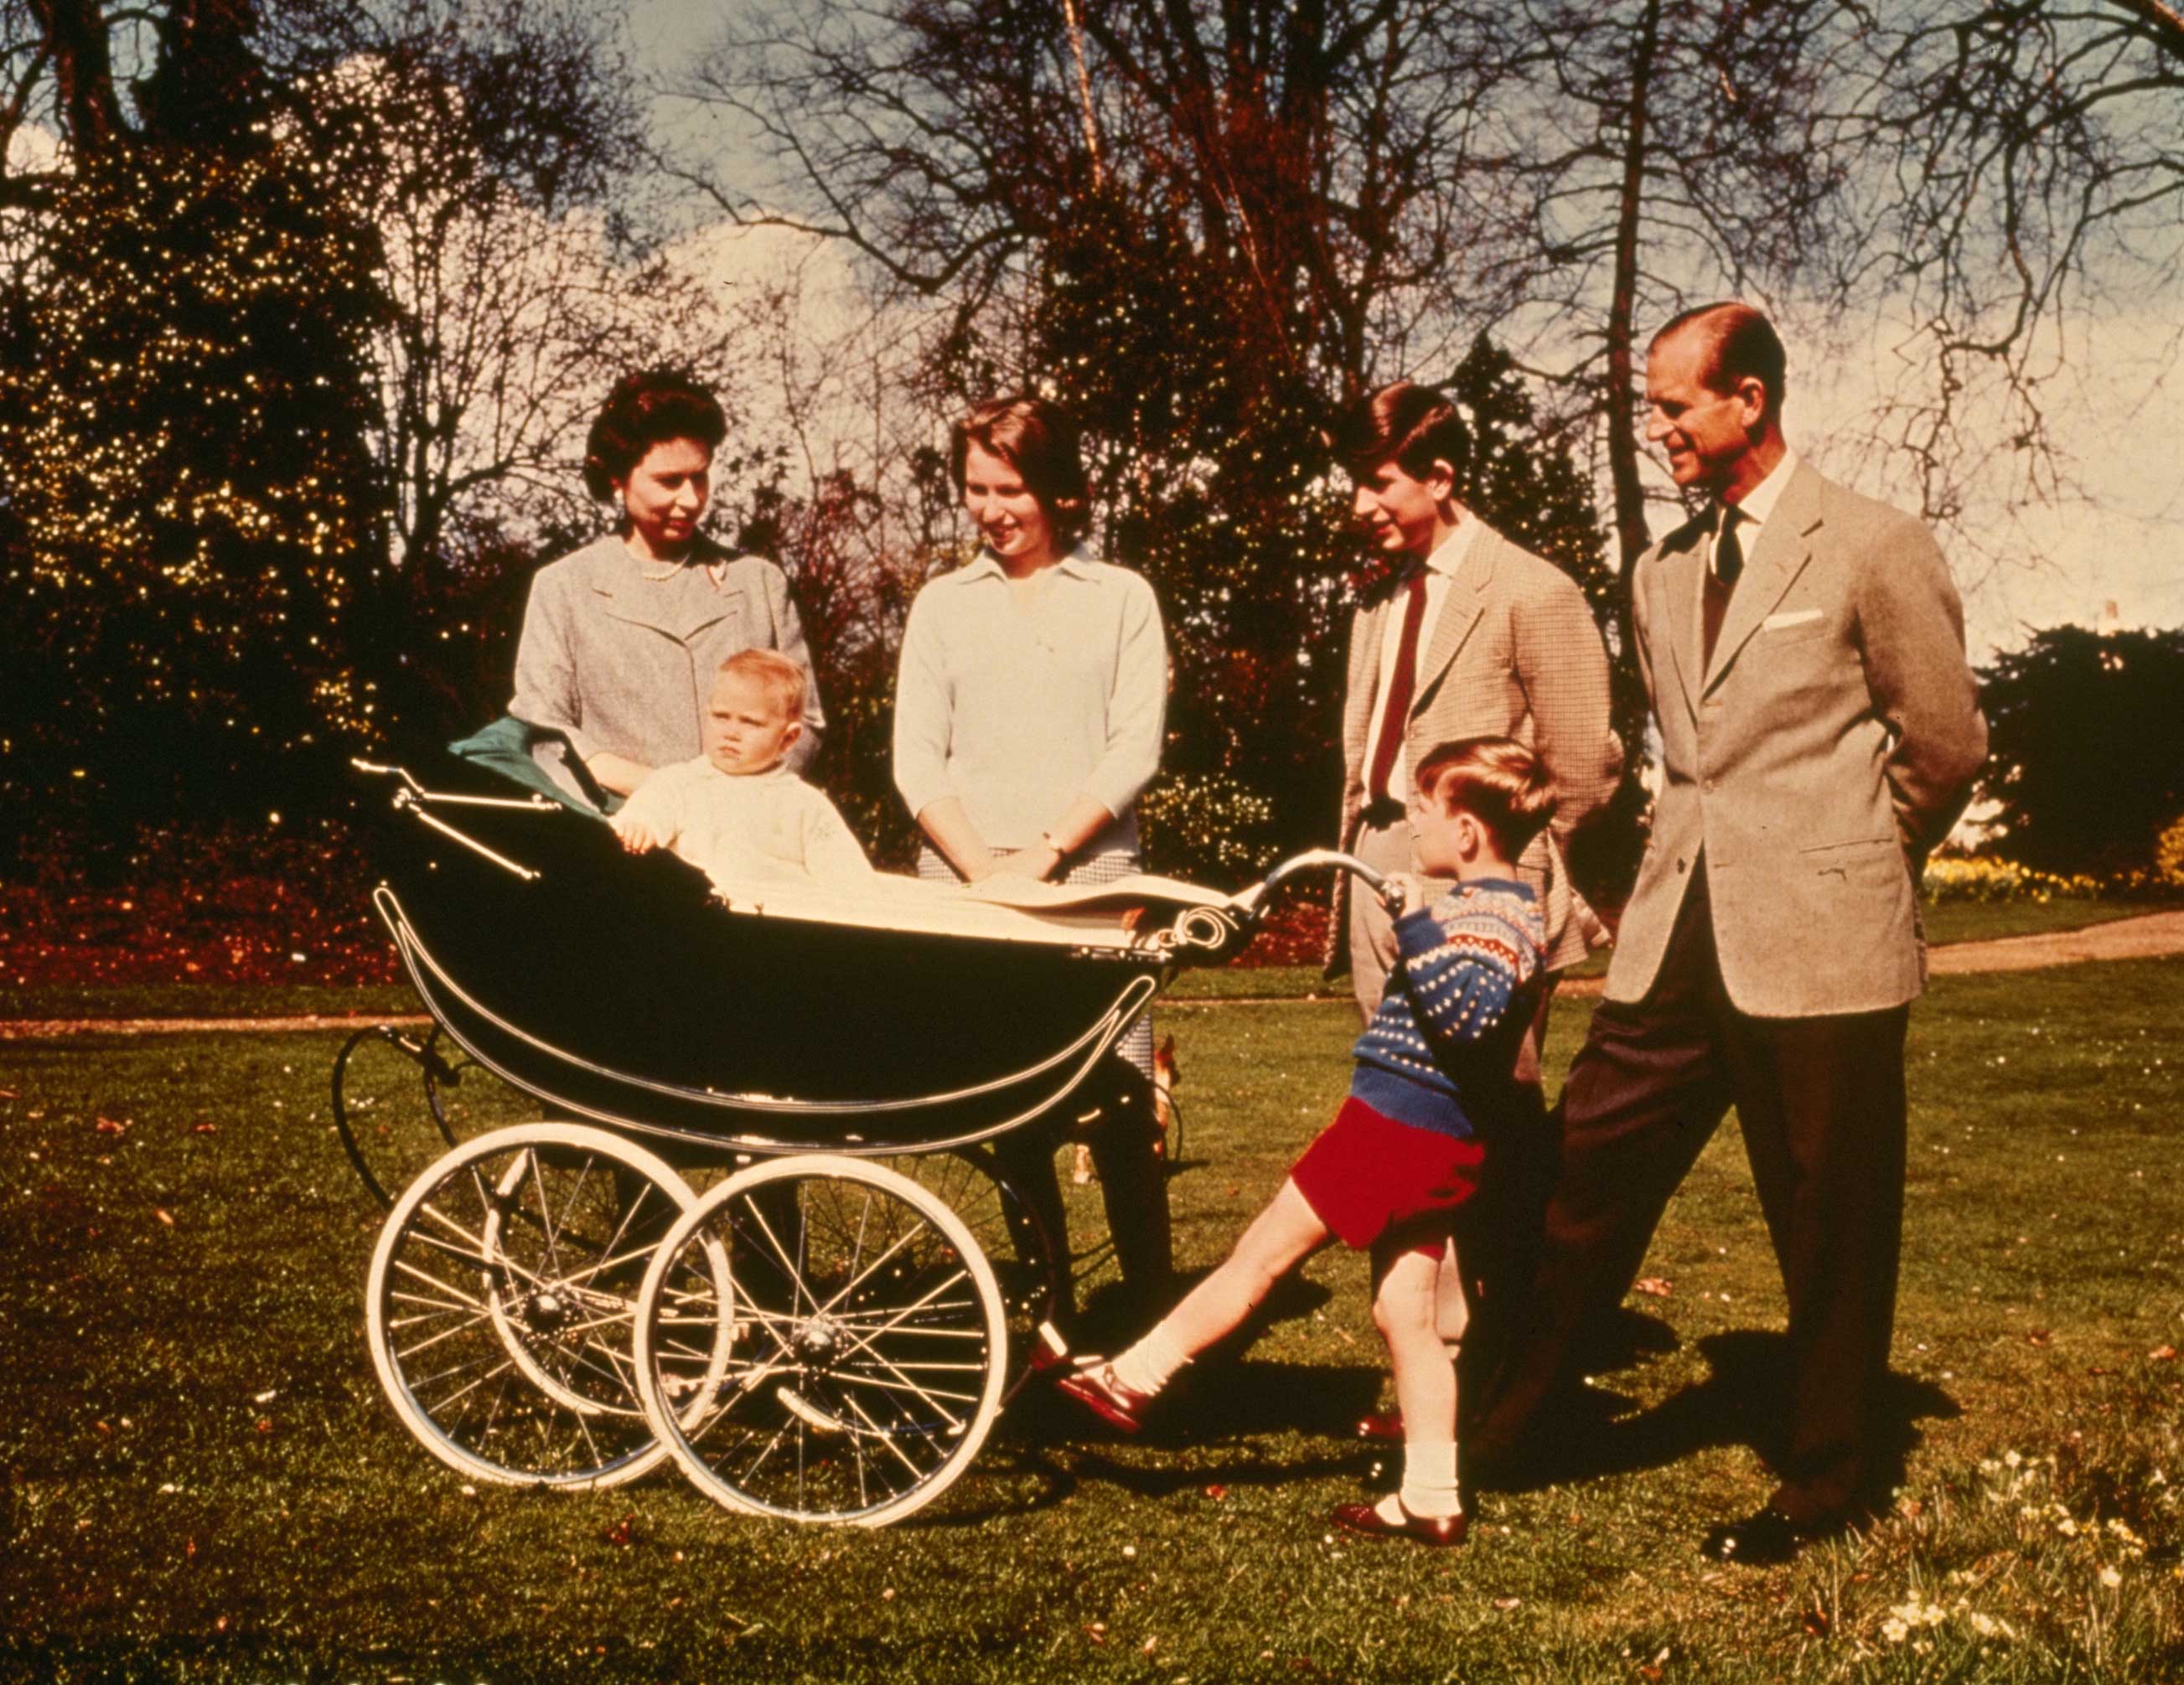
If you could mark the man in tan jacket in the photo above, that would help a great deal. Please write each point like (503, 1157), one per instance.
(1803, 649)
(1472, 636)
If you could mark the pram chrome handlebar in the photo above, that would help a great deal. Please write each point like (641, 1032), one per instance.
(417, 793)
(1253, 900)
(407, 801)
(412, 798)
(1316, 859)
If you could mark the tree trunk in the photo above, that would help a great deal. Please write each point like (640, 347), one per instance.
(83, 72)
(1622, 396)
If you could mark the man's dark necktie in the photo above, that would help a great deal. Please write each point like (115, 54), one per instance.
(1721, 578)
(1396, 713)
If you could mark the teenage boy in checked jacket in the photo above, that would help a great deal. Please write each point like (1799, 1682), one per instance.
(1471, 635)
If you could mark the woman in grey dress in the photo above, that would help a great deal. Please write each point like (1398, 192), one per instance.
(621, 639)
(1029, 708)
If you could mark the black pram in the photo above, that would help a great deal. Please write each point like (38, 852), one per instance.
(813, 1335)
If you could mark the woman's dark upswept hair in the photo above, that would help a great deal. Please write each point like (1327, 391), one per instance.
(1038, 438)
(647, 407)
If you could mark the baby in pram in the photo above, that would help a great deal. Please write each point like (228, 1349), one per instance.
(736, 812)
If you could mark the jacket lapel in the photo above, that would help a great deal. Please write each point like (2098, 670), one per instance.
(1786, 545)
(1677, 606)
(1362, 693)
(1460, 610)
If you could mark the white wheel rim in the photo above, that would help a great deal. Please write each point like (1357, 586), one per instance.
(503, 1335)
(867, 1351)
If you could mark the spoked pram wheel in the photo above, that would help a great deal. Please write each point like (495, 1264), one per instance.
(867, 1349)
(502, 1299)
(1027, 1267)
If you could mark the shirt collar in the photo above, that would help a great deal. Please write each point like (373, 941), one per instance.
(1448, 555)
(1072, 561)
(1757, 504)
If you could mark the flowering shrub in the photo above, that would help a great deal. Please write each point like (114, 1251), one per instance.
(229, 907)
(1981, 878)
(1208, 828)
(1294, 934)
(2169, 856)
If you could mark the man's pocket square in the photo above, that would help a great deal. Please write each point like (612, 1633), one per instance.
(1793, 617)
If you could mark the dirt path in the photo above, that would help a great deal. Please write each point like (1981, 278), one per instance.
(54, 1029)
(2148, 936)
(2151, 935)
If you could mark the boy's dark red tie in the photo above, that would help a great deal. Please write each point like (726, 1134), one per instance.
(1395, 714)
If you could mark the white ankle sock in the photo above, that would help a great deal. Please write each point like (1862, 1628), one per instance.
(1429, 1488)
(1152, 1363)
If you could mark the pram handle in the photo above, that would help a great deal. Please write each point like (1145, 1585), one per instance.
(413, 797)
(1252, 902)
(417, 793)
(1320, 860)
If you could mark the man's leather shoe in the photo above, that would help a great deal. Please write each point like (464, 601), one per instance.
(1097, 1389)
(1761, 1540)
(1382, 1428)
(1363, 1518)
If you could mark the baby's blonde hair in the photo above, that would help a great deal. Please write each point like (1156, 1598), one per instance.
(783, 680)
(1498, 782)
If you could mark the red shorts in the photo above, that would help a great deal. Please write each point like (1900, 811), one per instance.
(1365, 1174)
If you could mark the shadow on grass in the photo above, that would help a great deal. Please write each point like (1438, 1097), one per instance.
(1222, 1403)
(1232, 1420)
(1744, 1401)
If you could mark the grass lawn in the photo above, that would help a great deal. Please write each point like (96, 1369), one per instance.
(204, 1482)
(1950, 921)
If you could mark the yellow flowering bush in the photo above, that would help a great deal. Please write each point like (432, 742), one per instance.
(2169, 856)
(1981, 878)
(1208, 827)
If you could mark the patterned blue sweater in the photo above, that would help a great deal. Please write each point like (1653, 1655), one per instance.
(1444, 1042)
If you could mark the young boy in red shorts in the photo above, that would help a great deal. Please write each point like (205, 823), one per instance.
(1435, 1062)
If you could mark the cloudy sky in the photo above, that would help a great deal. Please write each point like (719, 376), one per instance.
(2026, 561)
